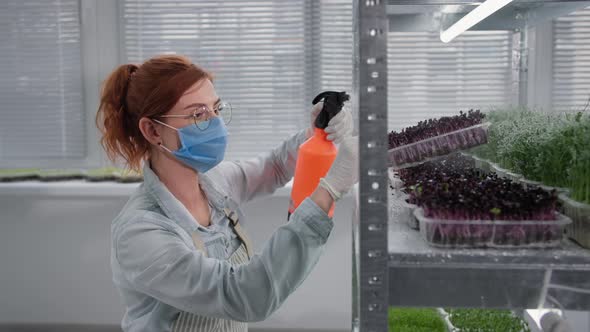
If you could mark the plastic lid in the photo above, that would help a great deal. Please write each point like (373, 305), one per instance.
(333, 103)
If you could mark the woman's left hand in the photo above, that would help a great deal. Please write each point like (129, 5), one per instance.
(339, 126)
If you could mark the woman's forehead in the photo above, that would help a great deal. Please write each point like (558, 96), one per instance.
(202, 92)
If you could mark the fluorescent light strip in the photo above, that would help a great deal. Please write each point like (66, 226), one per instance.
(475, 16)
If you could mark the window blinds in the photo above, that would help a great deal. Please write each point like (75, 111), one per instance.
(334, 44)
(428, 78)
(571, 61)
(255, 49)
(41, 82)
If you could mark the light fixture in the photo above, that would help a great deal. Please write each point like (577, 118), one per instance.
(475, 16)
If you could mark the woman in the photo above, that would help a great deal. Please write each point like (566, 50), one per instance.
(180, 259)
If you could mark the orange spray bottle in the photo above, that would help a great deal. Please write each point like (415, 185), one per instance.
(317, 154)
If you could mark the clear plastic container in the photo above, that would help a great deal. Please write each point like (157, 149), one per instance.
(559, 190)
(482, 164)
(579, 230)
(394, 181)
(481, 314)
(469, 158)
(408, 215)
(505, 173)
(439, 146)
(405, 209)
(492, 233)
(529, 183)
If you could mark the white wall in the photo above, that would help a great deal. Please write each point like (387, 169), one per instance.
(54, 262)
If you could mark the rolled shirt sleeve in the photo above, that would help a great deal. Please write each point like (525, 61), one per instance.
(250, 178)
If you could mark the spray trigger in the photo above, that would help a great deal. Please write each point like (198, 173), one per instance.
(333, 103)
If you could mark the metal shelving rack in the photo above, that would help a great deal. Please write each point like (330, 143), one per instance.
(392, 265)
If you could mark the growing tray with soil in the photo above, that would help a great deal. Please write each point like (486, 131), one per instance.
(484, 320)
(103, 174)
(464, 207)
(404, 180)
(435, 138)
(19, 174)
(415, 320)
(54, 175)
(129, 176)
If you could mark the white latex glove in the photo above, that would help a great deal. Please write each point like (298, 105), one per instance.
(315, 110)
(339, 126)
(344, 172)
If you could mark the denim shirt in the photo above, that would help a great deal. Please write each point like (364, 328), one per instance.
(159, 272)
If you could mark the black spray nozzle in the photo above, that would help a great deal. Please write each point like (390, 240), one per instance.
(333, 103)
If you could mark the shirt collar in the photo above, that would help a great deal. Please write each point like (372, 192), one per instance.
(173, 208)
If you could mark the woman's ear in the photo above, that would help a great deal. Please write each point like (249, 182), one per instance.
(150, 131)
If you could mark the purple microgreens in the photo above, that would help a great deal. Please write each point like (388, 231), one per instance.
(452, 189)
(437, 137)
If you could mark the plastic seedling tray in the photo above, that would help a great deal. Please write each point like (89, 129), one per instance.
(529, 183)
(559, 190)
(579, 212)
(53, 175)
(408, 215)
(103, 174)
(482, 320)
(492, 233)
(128, 176)
(401, 211)
(484, 165)
(470, 159)
(439, 146)
(394, 181)
(481, 164)
(406, 210)
(20, 174)
(505, 173)
(416, 319)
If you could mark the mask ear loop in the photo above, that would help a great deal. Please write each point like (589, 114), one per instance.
(164, 124)
(165, 148)
(169, 126)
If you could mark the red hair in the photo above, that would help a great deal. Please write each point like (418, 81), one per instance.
(131, 92)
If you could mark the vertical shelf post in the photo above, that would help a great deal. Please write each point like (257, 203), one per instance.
(370, 98)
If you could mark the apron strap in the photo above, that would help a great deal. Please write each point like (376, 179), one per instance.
(198, 242)
(234, 222)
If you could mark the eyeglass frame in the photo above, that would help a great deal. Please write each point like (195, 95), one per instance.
(203, 109)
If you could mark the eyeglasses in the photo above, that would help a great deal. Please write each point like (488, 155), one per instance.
(202, 115)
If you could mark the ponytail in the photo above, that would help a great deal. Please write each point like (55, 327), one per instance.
(120, 133)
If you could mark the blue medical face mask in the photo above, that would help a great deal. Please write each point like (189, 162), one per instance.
(201, 149)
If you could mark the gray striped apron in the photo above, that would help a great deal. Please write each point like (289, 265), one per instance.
(188, 322)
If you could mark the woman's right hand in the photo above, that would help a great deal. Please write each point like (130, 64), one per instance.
(344, 172)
